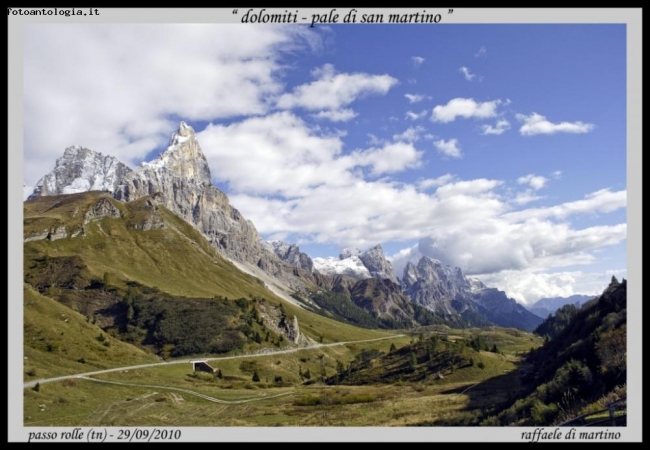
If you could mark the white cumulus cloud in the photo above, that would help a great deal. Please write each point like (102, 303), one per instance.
(601, 201)
(538, 124)
(411, 134)
(127, 79)
(528, 286)
(391, 158)
(466, 108)
(500, 127)
(415, 98)
(534, 181)
(416, 116)
(340, 115)
(435, 182)
(333, 91)
(449, 148)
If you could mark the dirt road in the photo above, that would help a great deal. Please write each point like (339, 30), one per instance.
(29, 384)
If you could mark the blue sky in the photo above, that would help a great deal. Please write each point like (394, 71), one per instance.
(500, 149)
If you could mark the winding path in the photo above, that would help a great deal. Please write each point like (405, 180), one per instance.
(187, 391)
(29, 384)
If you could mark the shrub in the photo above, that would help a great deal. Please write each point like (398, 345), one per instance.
(357, 398)
(308, 400)
(542, 414)
(53, 347)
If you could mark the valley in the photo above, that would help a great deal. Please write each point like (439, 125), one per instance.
(171, 394)
(130, 276)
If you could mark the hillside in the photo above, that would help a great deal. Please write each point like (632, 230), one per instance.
(179, 182)
(138, 241)
(579, 370)
(545, 306)
(59, 341)
(102, 257)
(159, 268)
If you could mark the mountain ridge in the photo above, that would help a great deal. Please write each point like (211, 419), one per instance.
(180, 179)
(549, 305)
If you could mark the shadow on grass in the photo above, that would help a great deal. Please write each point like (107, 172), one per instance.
(483, 399)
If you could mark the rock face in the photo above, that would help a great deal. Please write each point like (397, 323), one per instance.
(377, 264)
(446, 291)
(351, 266)
(276, 319)
(434, 286)
(501, 310)
(181, 181)
(290, 253)
(383, 297)
(181, 177)
(359, 265)
(103, 208)
(80, 170)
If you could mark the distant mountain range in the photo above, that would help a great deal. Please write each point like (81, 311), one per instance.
(179, 179)
(545, 306)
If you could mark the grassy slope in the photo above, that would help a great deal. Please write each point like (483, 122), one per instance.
(430, 400)
(70, 337)
(176, 259)
(84, 403)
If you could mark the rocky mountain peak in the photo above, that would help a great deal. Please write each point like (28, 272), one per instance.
(291, 254)
(185, 130)
(410, 275)
(74, 151)
(476, 284)
(182, 158)
(349, 252)
(81, 169)
(352, 262)
(377, 264)
(446, 290)
(179, 178)
(431, 270)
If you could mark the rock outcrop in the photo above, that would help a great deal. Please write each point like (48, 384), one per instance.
(377, 264)
(79, 170)
(180, 178)
(276, 319)
(446, 291)
(359, 265)
(103, 208)
(291, 254)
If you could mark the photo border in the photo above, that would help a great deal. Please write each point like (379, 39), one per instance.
(632, 17)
